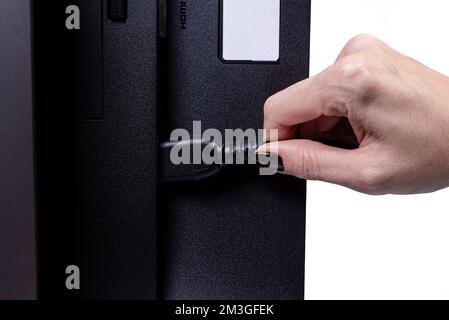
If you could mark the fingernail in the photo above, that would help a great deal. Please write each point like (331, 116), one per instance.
(266, 156)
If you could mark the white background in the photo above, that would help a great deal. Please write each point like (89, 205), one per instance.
(392, 247)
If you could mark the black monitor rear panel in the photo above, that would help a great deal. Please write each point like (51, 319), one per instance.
(239, 235)
(95, 94)
(105, 97)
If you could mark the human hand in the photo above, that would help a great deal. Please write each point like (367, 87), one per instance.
(394, 108)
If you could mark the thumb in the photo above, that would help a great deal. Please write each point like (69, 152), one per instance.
(312, 160)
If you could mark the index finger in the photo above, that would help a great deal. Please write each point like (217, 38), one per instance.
(302, 102)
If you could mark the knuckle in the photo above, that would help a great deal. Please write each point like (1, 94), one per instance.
(359, 43)
(308, 167)
(353, 68)
(360, 72)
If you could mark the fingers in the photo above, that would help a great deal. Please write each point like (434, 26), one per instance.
(335, 92)
(300, 103)
(333, 105)
(311, 160)
(343, 90)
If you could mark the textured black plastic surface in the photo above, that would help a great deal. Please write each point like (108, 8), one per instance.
(239, 236)
(84, 63)
(97, 178)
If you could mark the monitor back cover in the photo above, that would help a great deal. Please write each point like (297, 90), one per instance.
(239, 235)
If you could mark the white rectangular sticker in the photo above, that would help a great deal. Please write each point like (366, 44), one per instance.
(251, 30)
